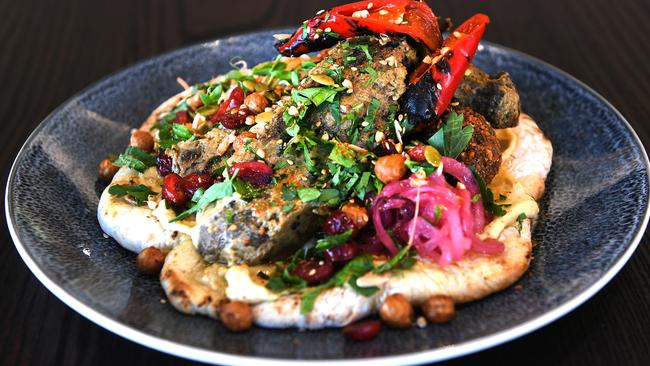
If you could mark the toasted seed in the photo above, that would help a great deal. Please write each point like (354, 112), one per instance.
(322, 79)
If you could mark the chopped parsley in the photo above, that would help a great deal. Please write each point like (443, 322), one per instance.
(214, 193)
(487, 196)
(135, 158)
(452, 138)
(520, 221)
(372, 73)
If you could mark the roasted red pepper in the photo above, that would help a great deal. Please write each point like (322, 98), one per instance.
(411, 18)
(433, 83)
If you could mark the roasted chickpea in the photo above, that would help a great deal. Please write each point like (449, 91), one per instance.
(150, 261)
(142, 139)
(256, 102)
(356, 213)
(396, 311)
(237, 316)
(195, 101)
(439, 309)
(242, 138)
(390, 168)
(107, 170)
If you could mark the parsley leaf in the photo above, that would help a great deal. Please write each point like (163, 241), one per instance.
(452, 138)
(487, 196)
(330, 241)
(343, 155)
(135, 158)
(520, 221)
(139, 193)
(372, 73)
(354, 269)
(403, 260)
(215, 192)
(246, 190)
(308, 194)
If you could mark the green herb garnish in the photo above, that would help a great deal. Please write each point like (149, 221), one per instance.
(139, 192)
(452, 138)
(214, 193)
(135, 158)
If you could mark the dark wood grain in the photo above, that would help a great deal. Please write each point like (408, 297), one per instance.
(49, 50)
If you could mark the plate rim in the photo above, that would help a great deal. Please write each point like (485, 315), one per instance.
(213, 356)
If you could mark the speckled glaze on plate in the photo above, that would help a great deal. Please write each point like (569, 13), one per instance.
(592, 218)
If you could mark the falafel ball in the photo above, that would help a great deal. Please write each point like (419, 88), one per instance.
(483, 150)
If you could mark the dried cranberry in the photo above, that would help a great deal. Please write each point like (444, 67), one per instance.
(417, 154)
(163, 164)
(195, 181)
(314, 271)
(337, 223)
(369, 244)
(342, 253)
(173, 190)
(395, 209)
(363, 331)
(230, 113)
(181, 117)
(254, 172)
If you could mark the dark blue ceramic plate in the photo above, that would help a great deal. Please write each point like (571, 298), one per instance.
(592, 218)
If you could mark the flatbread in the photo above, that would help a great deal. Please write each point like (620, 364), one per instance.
(195, 287)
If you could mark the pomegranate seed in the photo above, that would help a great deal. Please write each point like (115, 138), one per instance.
(314, 271)
(337, 223)
(363, 331)
(194, 181)
(181, 117)
(254, 172)
(163, 164)
(173, 190)
(342, 253)
(229, 111)
(417, 154)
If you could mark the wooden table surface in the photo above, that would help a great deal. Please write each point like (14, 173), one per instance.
(49, 50)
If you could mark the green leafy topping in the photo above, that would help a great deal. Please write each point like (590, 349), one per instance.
(135, 158)
(373, 107)
(520, 221)
(230, 216)
(437, 213)
(372, 73)
(308, 194)
(316, 95)
(354, 269)
(214, 193)
(212, 95)
(452, 138)
(246, 190)
(330, 241)
(288, 207)
(404, 259)
(139, 192)
(343, 155)
(476, 197)
(487, 196)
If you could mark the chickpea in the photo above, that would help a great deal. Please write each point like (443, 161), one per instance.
(195, 101)
(142, 139)
(237, 316)
(242, 138)
(358, 214)
(439, 309)
(396, 311)
(390, 168)
(107, 170)
(256, 102)
(150, 261)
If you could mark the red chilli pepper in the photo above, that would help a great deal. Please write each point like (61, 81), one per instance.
(408, 17)
(433, 83)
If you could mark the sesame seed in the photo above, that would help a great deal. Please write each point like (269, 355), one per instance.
(320, 12)
(326, 136)
(365, 124)
(383, 12)
(426, 59)
(353, 68)
(347, 83)
(328, 29)
(312, 272)
(250, 121)
(379, 136)
(290, 162)
(439, 86)
(260, 153)
(457, 34)
(444, 50)
(369, 6)
(344, 108)
(468, 72)
(293, 111)
(279, 142)
(316, 36)
(282, 37)
(360, 14)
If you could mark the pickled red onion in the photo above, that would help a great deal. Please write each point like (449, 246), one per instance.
(446, 222)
